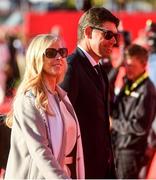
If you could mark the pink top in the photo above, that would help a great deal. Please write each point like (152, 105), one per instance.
(61, 122)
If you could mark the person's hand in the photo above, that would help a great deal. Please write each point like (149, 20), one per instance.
(2, 173)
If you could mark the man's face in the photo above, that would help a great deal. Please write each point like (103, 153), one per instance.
(100, 45)
(134, 67)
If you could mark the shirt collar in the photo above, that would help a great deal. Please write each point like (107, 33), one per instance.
(91, 60)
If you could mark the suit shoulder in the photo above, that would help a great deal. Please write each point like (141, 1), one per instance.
(73, 58)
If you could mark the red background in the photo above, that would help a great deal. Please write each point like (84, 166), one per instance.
(36, 23)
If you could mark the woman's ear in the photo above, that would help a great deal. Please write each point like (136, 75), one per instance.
(88, 32)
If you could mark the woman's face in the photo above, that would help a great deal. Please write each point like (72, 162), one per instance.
(54, 60)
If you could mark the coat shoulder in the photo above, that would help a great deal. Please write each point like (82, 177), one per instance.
(74, 57)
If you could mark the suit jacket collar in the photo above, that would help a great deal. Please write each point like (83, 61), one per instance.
(88, 67)
(89, 57)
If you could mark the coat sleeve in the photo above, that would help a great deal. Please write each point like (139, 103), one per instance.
(35, 136)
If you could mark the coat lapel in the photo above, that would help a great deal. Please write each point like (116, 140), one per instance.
(64, 98)
(79, 151)
(89, 69)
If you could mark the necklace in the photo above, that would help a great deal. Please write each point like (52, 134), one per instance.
(128, 89)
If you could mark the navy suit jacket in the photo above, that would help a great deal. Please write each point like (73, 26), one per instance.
(90, 102)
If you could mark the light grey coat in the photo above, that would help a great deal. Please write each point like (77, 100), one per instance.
(31, 155)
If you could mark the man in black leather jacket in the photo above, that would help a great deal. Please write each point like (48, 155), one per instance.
(133, 112)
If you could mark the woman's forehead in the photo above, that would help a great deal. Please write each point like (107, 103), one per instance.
(56, 43)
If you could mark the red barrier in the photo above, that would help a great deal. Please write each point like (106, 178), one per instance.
(66, 21)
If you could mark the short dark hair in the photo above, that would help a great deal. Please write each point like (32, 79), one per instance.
(138, 51)
(95, 17)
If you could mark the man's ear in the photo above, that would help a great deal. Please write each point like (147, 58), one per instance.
(88, 32)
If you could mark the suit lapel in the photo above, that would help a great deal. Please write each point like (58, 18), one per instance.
(63, 96)
(88, 68)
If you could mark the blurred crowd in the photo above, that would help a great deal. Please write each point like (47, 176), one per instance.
(12, 64)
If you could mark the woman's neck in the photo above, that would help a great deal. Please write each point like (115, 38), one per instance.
(50, 84)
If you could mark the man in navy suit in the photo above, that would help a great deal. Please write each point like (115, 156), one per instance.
(87, 87)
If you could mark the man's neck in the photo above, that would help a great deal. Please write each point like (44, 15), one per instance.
(89, 55)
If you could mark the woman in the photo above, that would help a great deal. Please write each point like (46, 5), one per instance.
(45, 138)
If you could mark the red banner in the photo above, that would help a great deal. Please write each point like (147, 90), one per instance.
(65, 23)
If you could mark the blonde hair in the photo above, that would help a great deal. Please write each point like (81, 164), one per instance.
(32, 79)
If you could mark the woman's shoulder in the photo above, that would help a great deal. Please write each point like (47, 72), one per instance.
(24, 99)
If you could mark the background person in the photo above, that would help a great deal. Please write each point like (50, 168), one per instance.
(151, 153)
(151, 44)
(132, 115)
(45, 136)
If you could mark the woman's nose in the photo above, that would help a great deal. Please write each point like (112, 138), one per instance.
(58, 56)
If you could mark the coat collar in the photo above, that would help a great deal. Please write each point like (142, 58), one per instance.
(87, 66)
(62, 94)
